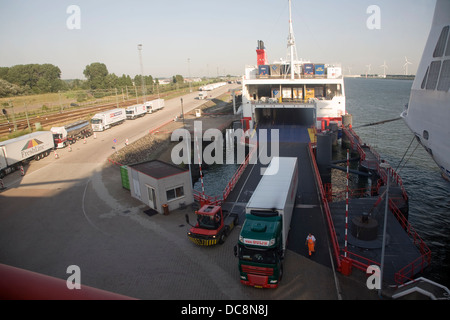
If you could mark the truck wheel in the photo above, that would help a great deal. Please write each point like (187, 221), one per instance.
(222, 238)
(224, 235)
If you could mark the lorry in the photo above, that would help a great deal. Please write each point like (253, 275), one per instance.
(202, 95)
(70, 133)
(15, 152)
(262, 241)
(104, 120)
(212, 227)
(155, 105)
(136, 111)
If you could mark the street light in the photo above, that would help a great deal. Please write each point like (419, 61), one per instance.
(385, 166)
(142, 72)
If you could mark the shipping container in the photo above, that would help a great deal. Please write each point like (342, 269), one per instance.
(309, 93)
(319, 69)
(308, 69)
(275, 70)
(263, 71)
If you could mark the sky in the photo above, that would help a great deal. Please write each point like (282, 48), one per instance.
(211, 37)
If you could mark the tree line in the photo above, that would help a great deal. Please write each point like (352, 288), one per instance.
(46, 78)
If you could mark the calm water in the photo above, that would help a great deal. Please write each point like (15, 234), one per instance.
(373, 100)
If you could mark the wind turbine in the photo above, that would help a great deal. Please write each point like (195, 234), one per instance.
(406, 65)
(384, 66)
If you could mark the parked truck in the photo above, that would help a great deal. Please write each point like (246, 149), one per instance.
(70, 133)
(212, 227)
(155, 105)
(262, 242)
(202, 95)
(15, 152)
(104, 120)
(136, 111)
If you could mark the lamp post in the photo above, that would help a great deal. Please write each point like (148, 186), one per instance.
(386, 166)
(142, 73)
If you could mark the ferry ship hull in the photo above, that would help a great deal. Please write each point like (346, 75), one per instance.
(428, 111)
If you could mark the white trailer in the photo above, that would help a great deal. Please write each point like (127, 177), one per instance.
(15, 152)
(155, 105)
(104, 120)
(136, 110)
(276, 193)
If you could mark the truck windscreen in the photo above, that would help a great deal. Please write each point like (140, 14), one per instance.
(260, 213)
(257, 255)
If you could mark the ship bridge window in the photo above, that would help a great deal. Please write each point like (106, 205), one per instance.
(440, 46)
(444, 80)
(433, 76)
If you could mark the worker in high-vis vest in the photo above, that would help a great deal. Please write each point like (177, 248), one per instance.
(310, 242)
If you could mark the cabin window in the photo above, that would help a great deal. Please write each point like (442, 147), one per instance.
(174, 193)
(447, 51)
(433, 76)
(444, 80)
(424, 81)
(440, 46)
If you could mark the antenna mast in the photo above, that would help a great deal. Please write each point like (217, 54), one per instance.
(292, 52)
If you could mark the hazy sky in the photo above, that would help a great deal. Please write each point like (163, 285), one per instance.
(217, 36)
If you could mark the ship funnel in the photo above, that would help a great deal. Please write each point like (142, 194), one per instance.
(261, 53)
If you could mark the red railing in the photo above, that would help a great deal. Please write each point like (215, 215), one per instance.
(217, 200)
(326, 208)
(419, 264)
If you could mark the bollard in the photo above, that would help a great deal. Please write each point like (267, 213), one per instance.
(56, 155)
(22, 172)
(70, 148)
(84, 140)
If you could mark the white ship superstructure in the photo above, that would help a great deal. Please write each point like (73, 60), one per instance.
(292, 91)
(428, 111)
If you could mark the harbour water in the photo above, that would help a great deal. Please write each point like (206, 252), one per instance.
(373, 100)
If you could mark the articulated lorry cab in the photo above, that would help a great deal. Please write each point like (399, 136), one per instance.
(70, 133)
(136, 111)
(262, 242)
(155, 105)
(104, 120)
(213, 226)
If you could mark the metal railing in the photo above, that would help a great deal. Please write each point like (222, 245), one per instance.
(326, 208)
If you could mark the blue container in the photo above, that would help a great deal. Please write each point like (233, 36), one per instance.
(320, 69)
(309, 68)
(264, 70)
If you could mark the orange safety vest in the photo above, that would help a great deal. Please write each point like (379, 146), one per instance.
(310, 244)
